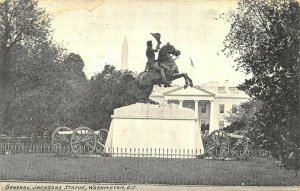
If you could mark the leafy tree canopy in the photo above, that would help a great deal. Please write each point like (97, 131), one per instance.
(109, 90)
(264, 39)
(244, 117)
(40, 84)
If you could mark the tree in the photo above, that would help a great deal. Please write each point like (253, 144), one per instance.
(264, 39)
(73, 93)
(40, 85)
(21, 21)
(23, 28)
(53, 102)
(244, 117)
(108, 90)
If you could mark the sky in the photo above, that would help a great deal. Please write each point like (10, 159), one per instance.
(96, 29)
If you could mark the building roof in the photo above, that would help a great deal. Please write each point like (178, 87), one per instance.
(209, 89)
(193, 91)
(159, 91)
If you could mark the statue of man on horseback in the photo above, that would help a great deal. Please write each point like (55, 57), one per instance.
(161, 71)
(152, 63)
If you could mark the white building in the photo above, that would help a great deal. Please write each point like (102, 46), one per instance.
(211, 101)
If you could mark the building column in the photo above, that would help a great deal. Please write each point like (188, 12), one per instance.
(181, 103)
(211, 120)
(196, 109)
(166, 101)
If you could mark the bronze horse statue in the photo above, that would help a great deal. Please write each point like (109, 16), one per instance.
(146, 80)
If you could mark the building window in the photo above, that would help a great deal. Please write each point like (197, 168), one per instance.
(233, 90)
(222, 108)
(221, 89)
(203, 107)
(188, 104)
(173, 101)
(234, 108)
(221, 124)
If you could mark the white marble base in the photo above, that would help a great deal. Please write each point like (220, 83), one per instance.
(147, 130)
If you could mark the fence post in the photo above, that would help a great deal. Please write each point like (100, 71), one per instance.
(16, 148)
(167, 152)
(19, 147)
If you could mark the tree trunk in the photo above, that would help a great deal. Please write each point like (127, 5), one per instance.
(4, 122)
(5, 68)
(7, 92)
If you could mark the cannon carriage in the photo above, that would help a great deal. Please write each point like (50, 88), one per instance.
(82, 141)
(221, 145)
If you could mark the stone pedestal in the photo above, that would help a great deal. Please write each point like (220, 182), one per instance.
(147, 130)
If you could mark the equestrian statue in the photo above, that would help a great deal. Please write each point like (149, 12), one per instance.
(160, 71)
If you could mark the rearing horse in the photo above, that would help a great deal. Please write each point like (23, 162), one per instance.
(146, 80)
(167, 63)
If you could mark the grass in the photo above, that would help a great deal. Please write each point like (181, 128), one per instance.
(50, 167)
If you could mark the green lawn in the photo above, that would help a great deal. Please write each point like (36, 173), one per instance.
(50, 167)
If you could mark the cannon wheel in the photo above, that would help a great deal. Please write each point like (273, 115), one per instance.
(241, 149)
(83, 141)
(218, 145)
(101, 138)
(60, 140)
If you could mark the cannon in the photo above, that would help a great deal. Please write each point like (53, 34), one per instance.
(221, 145)
(82, 141)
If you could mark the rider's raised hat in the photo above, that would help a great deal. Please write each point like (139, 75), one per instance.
(156, 36)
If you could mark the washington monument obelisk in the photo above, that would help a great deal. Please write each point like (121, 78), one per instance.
(124, 56)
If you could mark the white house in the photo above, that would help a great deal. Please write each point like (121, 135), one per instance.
(211, 101)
